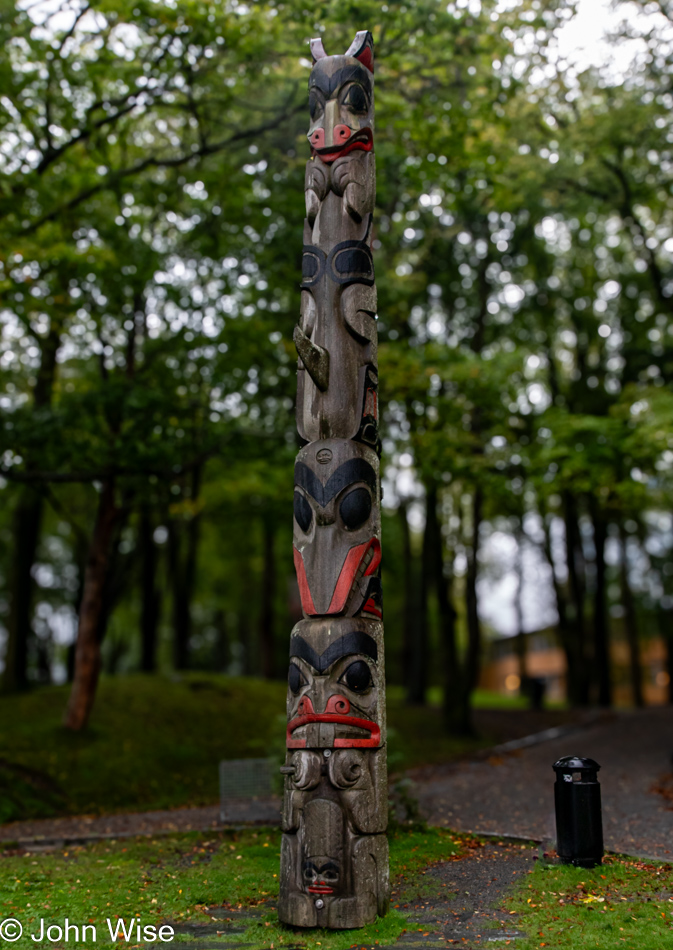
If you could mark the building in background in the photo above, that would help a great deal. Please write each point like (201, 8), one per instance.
(546, 662)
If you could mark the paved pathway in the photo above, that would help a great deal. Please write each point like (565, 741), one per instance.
(505, 794)
(463, 899)
(513, 793)
(60, 830)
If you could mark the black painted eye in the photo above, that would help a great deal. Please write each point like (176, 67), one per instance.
(357, 677)
(356, 99)
(302, 511)
(356, 507)
(295, 678)
(310, 873)
(315, 105)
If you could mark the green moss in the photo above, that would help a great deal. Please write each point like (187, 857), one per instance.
(198, 880)
(177, 877)
(623, 903)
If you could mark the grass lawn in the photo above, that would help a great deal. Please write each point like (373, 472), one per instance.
(155, 741)
(222, 886)
(624, 903)
(186, 879)
(488, 699)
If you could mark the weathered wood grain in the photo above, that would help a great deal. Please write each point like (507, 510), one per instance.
(334, 854)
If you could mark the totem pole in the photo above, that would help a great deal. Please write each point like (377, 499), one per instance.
(334, 854)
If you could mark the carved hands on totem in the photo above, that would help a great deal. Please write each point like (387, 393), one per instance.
(351, 177)
(336, 334)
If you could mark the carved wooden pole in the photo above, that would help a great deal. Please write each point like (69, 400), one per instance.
(334, 856)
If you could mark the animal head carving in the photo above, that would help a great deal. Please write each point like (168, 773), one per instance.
(321, 869)
(337, 526)
(333, 685)
(341, 99)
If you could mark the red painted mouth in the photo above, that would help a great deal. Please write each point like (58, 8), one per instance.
(363, 140)
(373, 742)
(336, 712)
(320, 889)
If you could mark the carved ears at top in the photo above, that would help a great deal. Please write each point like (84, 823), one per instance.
(361, 48)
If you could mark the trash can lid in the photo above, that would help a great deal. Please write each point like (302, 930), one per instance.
(574, 763)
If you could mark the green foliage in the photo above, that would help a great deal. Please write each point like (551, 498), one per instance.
(151, 196)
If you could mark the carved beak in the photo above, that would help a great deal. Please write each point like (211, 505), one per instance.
(361, 561)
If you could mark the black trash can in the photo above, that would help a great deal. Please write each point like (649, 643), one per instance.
(579, 821)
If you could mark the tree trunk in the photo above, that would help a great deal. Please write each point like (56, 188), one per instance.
(665, 619)
(631, 624)
(409, 614)
(26, 535)
(221, 647)
(180, 604)
(564, 632)
(575, 562)
(453, 706)
(418, 666)
(601, 631)
(245, 626)
(473, 654)
(472, 663)
(151, 597)
(87, 651)
(80, 556)
(183, 575)
(119, 568)
(520, 638)
(266, 617)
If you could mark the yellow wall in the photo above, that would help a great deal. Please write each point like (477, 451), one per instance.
(501, 675)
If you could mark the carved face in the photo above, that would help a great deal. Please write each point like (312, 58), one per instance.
(321, 875)
(323, 847)
(333, 690)
(336, 526)
(340, 103)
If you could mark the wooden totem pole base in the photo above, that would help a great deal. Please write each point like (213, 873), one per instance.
(334, 854)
